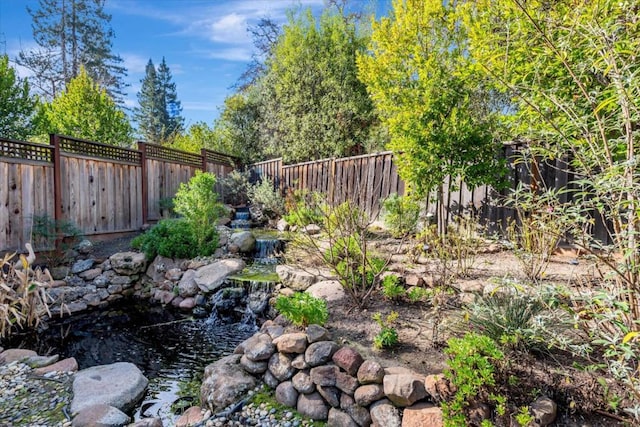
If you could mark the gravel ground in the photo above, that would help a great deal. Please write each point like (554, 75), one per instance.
(34, 401)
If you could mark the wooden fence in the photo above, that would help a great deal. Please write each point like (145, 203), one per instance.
(101, 189)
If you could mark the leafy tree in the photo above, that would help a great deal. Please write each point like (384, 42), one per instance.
(84, 110)
(264, 35)
(159, 113)
(17, 107)
(239, 126)
(199, 135)
(430, 96)
(313, 103)
(72, 34)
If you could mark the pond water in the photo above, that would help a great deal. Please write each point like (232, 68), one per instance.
(171, 348)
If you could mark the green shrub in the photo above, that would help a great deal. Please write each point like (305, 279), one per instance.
(400, 215)
(391, 287)
(303, 309)
(174, 238)
(471, 370)
(235, 188)
(304, 208)
(198, 204)
(267, 199)
(56, 235)
(418, 294)
(388, 335)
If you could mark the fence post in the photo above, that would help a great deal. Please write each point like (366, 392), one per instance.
(145, 197)
(54, 141)
(332, 180)
(203, 154)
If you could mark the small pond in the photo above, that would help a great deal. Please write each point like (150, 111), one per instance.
(171, 348)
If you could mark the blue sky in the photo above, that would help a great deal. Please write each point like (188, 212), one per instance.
(205, 42)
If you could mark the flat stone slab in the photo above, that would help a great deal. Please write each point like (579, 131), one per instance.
(211, 277)
(120, 385)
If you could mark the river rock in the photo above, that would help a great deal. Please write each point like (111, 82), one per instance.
(147, 422)
(422, 414)
(280, 366)
(296, 279)
(348, 359)
(120, 385)
(160, 265)
(91, 273)
(328, 290)
(384, 414)
(187, 303)
(544, 410)
(244, 240)
(298, 362)
(59, 272)
(101, 415)
(404, 389)
(324, 375)
(303, 383)
(346, 383)
(271, 381)
(65, 365)
(317, 333)
(359, 414)
(187, 287)
(312, 406)
(258, 347)
(40, 361)
(253, 367)
(370, 372)
(211, 277)
(291, 343)
(128, 263)
(330, 394)
(15, 354)
(365, 395)
(320, 352)
(82, 265)
(190, 417)
(340, 418)
(224, 382)
(286, 394)
(85, 247)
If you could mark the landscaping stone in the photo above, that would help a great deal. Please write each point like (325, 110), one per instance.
(120, 385)
(244, 240)
(286, 394)
(187, 303)
(258, 347)
(85, 247)
(82, 265)
(404, 389)
(102, 415)
(384, 414)
(211, 277)
(346, 383)
(317, 333)
(224, 382)
(359, 414)
(320, 352)
(296, 279)
(348, 359)
(160, 265)
(253, 367)
(40, 361)
(147, 422)
(331, 395)
(312, 406)
(15, 354)
(370, 372)
(270, 380)
(280, 366)
(60, 272)
(187, 287)
(544, 410)
(173, 274)
(437, 386)
(324, 375)
(282, 225)
(190, 417)
(128, 263)
(422, 415)
(298, 362)
(338, 418)
(328, 290)
(311, 229)
(303, 383)
(365, 395)
(65, 365)
(291, 343)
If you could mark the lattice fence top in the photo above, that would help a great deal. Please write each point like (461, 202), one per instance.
(159, 152)
(214, 157)
(26, 150)
(95, 149)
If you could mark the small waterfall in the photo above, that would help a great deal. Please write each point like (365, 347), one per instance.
(242, 220)
(268, 250)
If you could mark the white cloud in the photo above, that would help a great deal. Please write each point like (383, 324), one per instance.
(230, 29)
(199, 106)
(134, 63)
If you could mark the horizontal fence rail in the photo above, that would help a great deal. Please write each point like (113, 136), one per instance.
(100, 189)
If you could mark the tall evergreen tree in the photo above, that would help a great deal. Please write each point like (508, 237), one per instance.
(72, 34)
(159, 112)
(16, 105)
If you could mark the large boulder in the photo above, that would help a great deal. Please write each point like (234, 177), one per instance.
(244, 240)
(404, 389)
(128, 263)
(225, 381)
(211, 277)
(296, 279)
(187, 287)
(328, 290)
(120, 385)
(15, 354)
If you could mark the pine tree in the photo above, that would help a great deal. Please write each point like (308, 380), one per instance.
(159, 112)
(72, 34)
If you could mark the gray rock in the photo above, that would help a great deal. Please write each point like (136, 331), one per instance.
(282, 225)
(280, 366)
(320, 352)
(187, 287)
(15, 354)
(224, 382)
(383, 413)
(258, 347)
(346, 383)
(286, 394)
(253, 367)
(370, 372)
(75, 307)
(173, 274)
(244, 240)
(160, 266)
(359, 414)
(296, 279)
(312, 406)
(60, 272)
(330, 394)
(85, 247)
(328, 290)
(291, 343)
(147, 422)
(101, 415)
(338, 418)
(311, 229)
(41, 361)
(317, 333)
(324, 375)
(404, 389)
(82, 265)
(211, 277)
(270, 380)
(128, 263)
(91, 274)
(120, 385)
(302, 382)
(298, 362)
(544, 410)
(365, 395)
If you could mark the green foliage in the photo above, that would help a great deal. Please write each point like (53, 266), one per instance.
(17, 107)
(175, 238)
(57, 236)
(235, 188)
(524, 417)
(84, 110)
(198, 204)
(313, 105)
(267, 198)
(433, 100)
(418, 294)
(303, 309)
(391, 287)
(304, 208)
(238, 127)
(388, 335)
(400, 215)
(472, 364)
